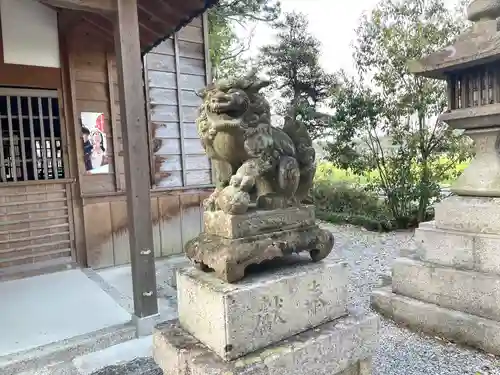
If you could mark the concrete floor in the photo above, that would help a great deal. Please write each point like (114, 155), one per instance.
(45, 309)
(120, 281)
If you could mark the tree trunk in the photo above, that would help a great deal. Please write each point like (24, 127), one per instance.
(424, 193)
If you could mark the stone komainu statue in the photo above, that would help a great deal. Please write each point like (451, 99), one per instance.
(262, 173)
(252, 160)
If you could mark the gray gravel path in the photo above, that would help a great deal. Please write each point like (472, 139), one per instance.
(401, 352)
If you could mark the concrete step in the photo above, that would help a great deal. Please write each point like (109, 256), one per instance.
(138, 366)
(54, 358)
(116, 355)
(59, 368)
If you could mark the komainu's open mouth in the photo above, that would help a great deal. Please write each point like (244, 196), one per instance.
(221, 103)
(230, 104)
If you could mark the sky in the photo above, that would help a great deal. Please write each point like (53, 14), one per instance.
(332, 22)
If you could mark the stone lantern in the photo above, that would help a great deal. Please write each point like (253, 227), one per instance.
(471, 68)
(449, 284)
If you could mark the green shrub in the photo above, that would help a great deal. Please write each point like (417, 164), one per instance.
(342, 196)
(345, 203)
(328, 171)
(341, 202)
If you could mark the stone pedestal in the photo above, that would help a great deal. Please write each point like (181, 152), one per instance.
(230, 243)
(451, 285)
(291, 320)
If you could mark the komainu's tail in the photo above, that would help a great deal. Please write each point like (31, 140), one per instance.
(306, 155)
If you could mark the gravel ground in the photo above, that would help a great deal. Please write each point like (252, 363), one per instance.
(401, 352)
(139, 366)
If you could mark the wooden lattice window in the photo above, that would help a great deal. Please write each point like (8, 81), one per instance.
(30, 135)
(474, 87)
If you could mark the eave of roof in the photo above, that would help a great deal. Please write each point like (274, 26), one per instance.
(183, 22)
(471, 49)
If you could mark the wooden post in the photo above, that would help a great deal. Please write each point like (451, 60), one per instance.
(136, 158)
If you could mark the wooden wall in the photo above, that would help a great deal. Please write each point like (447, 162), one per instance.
(176, 219)
(174, 71)
(34, 222)
(93, 79)
(180, 174)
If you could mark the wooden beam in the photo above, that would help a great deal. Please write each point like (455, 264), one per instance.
(100, 25)
(105, 23)
(68, 19)
(162, 10)
(136, 158)
(87, 5)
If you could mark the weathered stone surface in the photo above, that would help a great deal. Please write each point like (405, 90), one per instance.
(483, 9)
(482, 176)
(229, 258)
(477, 42)
(168, 271)
(254, 223)
(469, 214)
(451, 324)
(468, 291)
(478, 252)
(262, 173)
(341, 347)
(470, 49)
(254, 162)
(235, 319)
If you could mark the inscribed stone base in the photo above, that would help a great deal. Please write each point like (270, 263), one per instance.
(467, 291)
(463, 250)
(236, 319)
(342, 347)
(229, 258)
(469, 214)
(453, 325)
(255, 222)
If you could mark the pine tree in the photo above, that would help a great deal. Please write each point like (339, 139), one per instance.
(226, 49)
(293, 65)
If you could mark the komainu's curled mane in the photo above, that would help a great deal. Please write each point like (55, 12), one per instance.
(253, 161)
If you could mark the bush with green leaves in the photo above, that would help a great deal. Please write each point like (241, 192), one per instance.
(343, 197)
(342, 202)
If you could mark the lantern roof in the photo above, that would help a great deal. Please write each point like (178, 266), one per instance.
(479, 45)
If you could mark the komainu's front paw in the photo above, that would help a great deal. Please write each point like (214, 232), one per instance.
(236, 181)
(233, 200)
(244, 183)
